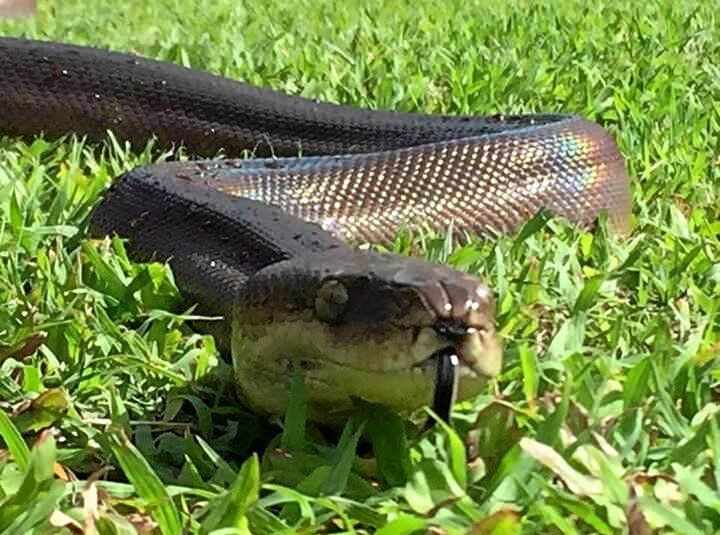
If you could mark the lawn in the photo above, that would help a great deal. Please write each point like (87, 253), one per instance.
(117, 418)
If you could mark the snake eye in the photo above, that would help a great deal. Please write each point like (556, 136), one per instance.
(330, 301)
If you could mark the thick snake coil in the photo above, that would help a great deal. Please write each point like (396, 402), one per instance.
(264, 240)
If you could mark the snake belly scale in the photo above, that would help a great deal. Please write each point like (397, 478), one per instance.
(267, 242)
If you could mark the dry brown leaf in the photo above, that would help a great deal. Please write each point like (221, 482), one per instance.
(44, 435)
(642, 478)
(35, 340)
(142, 523)
(605, 446)
(90, 508)
(17, 8)
(636, 521)
(63, 473)
(59, 519)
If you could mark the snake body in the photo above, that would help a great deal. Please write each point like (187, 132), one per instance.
(267, 241)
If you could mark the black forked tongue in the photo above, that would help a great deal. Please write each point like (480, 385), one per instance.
(447, 371)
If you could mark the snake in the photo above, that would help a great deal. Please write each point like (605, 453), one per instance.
(266, 224)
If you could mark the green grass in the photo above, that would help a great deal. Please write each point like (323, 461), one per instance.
(117, 418)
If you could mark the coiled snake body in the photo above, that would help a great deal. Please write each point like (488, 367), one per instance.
(264, 241)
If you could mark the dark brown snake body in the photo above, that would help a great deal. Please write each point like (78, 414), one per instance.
(263, 240)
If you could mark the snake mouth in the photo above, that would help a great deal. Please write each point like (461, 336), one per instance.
(472, 352)
(402, 371)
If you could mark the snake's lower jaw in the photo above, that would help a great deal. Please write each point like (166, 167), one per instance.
(265, 364)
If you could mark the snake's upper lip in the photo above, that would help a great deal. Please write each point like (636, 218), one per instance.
(477, 346)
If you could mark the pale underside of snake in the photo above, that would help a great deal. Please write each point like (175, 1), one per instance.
(268, 242)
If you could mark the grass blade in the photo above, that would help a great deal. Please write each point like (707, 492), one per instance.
(145, 480)
(228, 511)
(14, 441)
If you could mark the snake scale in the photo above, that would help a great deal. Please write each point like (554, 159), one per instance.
(268, 242)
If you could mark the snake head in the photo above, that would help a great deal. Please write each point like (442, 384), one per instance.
(363, 324)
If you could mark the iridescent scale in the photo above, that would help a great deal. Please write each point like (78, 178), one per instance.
(481, 184)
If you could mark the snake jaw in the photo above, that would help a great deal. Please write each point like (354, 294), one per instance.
(392, 330)
(464, 313)
(475, 354)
